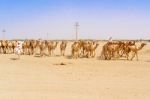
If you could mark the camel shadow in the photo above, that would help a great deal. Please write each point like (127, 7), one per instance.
(68, 57)
(57, 55)
(14, 58)
(39, 56)
(99, 58)
(147, 61)
(60, 63)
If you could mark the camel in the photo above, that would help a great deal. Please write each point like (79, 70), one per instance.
(4, 46)
(36, 44)
(106, 52)
(81, 49)
(26, 47)
(118, 49)
(134, 50)
(86, 49)
(42, 46)
(63, 46)
(93, 48)
(111, 50)
(54, 47)
(75, 50)
(10, 47)
(0, 46)
(50, 47)
(14, 45)
(33, 46)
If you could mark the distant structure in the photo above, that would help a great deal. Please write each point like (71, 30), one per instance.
(3, 35)
(76, 27)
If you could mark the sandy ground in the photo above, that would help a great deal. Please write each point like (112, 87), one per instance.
(43, 78)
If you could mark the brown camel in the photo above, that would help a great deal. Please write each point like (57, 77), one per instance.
(14, 44)
(50, 47)
(4, 46)
(86, 49)
(75, 50)
(63, 46)
(10, 47)
(33, 46)
(112, 50)
(54, 47)
(26, 47)
(1, 47)
(106, 51)
(43, 46)
(134, 50)
(93, 48)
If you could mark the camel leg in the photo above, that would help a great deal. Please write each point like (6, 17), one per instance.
(18, 56)
(72, 53)
(136, 56)
(133, 55)
(49, 51)
(92, 54)
(63, 53)
(127, 56)
(60, 52)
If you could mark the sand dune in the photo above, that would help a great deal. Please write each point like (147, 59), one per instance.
(60, 77)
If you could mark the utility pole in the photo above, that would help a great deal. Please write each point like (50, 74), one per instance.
(3, 35)
(47, 36)
(76, 27)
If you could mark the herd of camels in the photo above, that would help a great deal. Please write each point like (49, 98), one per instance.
(80, 48)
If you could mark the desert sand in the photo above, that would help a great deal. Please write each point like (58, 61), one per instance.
(44, 78)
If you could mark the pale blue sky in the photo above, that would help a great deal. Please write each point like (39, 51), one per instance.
(99, 19)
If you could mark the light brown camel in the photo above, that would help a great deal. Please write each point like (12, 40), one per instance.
(37, 46)
(50, 47)
(54, 47)
(4, 46)
(1, 47)
(112, 50)
(26, 47)
(93, 48)
(33, 46)
(105, 53)
(134, 51)
(81, 49)
(63, 46)
(86, 49)
(75, 50)
(10, 47)
(116, 49)
(43, 46)
(14, 44)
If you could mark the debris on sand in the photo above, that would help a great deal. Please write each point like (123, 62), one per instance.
(62, 63)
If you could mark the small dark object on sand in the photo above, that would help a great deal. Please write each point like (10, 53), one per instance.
(60, 63)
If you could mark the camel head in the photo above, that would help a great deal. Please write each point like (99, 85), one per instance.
(96, 45)
(143, 44)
